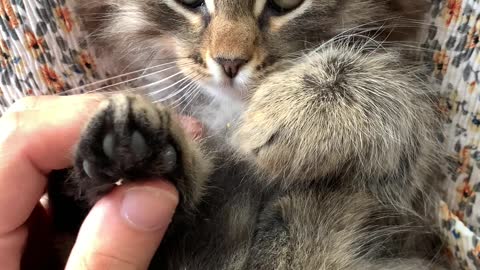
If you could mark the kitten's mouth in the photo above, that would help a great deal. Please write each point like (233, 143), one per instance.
(227, 82)
(221, 79)
(229, 89)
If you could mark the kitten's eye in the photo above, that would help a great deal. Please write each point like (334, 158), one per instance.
(283, 6)
(191, 3)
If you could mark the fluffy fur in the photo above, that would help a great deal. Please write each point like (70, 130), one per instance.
(324, 159)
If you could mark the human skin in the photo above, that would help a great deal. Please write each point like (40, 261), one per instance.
(38, 135)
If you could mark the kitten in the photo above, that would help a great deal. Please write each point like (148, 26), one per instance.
(321, 142)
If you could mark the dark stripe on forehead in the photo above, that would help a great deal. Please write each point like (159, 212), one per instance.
(234, 8)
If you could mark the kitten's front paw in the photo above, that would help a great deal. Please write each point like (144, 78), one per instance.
(127, 139)
(268, 143)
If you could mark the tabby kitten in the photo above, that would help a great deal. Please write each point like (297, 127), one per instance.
(320, 144)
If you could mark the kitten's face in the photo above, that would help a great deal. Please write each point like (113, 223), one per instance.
(229, 45)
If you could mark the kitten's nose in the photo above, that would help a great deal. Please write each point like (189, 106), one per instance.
(231, 66)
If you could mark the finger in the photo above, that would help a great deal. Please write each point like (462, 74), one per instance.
(32, 143)
(125, 228)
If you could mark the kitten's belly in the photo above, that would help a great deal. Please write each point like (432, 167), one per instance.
(221, 237)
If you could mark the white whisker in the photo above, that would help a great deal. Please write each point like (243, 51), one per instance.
(174, 93)
(185, 96)
(167, 87)
(119, 76)
(195, 92)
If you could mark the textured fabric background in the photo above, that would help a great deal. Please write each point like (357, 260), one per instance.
(43, 51)
(452, 46)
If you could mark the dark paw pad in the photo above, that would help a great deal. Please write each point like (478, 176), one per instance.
(127, 139)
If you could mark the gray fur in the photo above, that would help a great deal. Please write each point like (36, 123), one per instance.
(330, 158)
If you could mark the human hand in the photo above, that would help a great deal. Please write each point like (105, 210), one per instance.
(37, 136)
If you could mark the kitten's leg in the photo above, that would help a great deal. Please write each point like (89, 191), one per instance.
(343, 113)
(332, 230)
(400, 265)
(130, 138)
(362, 121)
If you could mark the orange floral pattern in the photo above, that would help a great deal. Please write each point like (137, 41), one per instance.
(42, 51)
(54, 59)
(454, 53)
(452, 11)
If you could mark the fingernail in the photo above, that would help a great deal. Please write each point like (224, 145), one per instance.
(148, 208)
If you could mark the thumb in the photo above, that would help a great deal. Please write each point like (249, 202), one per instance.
(125, 228)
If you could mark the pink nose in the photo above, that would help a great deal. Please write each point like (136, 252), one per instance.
(231, 66)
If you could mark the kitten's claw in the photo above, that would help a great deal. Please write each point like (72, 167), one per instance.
(87, 167)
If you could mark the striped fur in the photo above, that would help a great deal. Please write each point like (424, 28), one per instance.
(321, 153)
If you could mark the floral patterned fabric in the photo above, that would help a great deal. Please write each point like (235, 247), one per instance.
(453, 52)
(42, 50)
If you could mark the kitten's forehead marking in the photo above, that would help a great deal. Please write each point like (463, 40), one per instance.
(239, 6)
(234, 8)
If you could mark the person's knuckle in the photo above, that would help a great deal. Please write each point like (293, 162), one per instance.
(9, 125)
(103, 261)
(25, 103)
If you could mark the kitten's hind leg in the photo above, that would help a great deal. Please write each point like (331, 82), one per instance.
(411, 264)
